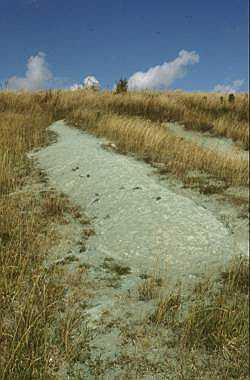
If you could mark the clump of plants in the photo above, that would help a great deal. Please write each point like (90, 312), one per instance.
(149, 288)
(231, 98)
(121, 86)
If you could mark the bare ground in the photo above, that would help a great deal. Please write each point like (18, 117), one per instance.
(142, 226)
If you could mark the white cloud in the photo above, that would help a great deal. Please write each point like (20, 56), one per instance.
(88, 82)
(162, 76)
(91, 82)
(232, 87)
(36, 76)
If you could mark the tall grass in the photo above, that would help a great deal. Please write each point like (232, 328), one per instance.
(214, 322)
(134, 122)
(201, 111)
(152, 142)
(29, 296)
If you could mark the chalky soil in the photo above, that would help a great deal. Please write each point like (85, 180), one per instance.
(141, 225)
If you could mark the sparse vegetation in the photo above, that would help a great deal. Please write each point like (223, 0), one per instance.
(167, 309)
(120, 270)
(220, 324)
(149, 288)
(215, 318)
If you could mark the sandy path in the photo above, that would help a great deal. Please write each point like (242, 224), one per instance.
(137, 220)
(141, 226)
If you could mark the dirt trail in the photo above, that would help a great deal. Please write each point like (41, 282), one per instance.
(140, 226)
(136, 219)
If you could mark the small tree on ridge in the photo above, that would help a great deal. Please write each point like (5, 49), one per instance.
(121, 86)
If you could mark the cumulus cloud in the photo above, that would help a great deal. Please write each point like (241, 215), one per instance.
(162, 76)
(232, 87)
(88, 82)
(91, 82)
(36, 76)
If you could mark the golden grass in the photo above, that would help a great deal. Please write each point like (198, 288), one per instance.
(152, 142)
(33, 339)
(149, 288)
(201, 111)
(30, 296)
(198, 111)
(218, 319)
(98, 112)
(214, 320)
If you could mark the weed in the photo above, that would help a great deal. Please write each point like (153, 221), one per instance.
(167, 309)
(219, 320)
(148, 289)
(116, 268)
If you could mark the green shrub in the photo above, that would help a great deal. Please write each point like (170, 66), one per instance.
(121, 86)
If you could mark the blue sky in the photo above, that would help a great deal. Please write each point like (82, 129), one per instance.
(114, 38)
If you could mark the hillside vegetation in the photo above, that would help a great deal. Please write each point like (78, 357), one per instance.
(135, 122)
(31, 296)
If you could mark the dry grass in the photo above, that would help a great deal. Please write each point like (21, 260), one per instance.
(167, 309)
(198, 111)
(152, 142)
(148, 289)
(218, 320)
(215, 319)
(145, 135)
(30, 295)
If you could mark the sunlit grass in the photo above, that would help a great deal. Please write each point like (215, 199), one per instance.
(30, 295)
(217, 319)
(152, 142)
